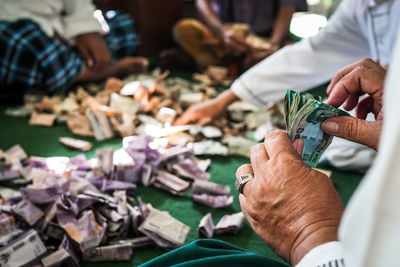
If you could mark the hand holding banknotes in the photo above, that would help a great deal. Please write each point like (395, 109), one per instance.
(353, 81)
(291, 206)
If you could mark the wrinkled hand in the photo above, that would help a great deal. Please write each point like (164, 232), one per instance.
(291, 206)
(234, 40)
(94, 49)
(201, 113)
(360, 78)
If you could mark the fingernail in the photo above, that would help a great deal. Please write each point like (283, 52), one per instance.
(331, 127)
(298, 145)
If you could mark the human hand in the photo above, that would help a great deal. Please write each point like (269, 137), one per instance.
(353, 81)
(235, 40)
(94, 49)
(201, 113)
(291, 206)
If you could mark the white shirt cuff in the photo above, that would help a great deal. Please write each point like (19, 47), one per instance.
(246, 94)
(328, 254)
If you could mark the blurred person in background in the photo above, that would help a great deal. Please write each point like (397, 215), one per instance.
(220, 37)
(53, 43)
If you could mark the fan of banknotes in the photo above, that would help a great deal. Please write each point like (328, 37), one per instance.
(304, 114)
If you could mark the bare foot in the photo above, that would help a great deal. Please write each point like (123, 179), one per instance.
(129, 65)
(122, 67)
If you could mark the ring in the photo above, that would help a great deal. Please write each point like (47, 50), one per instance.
(241, 181)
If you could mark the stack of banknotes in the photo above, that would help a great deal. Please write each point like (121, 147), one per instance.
(304, 114)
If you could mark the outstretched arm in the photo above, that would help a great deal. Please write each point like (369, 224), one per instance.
(282, 24)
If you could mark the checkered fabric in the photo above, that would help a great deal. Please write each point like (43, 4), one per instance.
(29, 58)
(122, 39)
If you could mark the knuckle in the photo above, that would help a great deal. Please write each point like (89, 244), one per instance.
(366, 61)
(256, 148)
(351, 129)
(336, 78)
(273, 135)
(244, 169)
(278, 161)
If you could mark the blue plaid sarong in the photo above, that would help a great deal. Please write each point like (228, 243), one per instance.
(29, 58)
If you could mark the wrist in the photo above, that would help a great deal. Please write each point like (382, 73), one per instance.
(88, 34)
(219, 31)
(275, 45)
(317, 237)
(226, 98)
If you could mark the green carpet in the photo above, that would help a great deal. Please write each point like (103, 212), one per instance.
(43, 141)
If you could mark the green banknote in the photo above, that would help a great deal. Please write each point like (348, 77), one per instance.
(304, 114)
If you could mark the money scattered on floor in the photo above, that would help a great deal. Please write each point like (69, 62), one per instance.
(85, 206)
(148, 104)
(304, 114)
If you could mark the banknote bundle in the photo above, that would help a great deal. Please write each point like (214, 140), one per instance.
(304, 114)
(75, 143)
(211, 194)
(229, 224)
(23, 250)
(166, 231)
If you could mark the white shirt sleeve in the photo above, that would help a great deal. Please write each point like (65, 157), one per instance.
(307, 63)
(328, 254)
(79, 18)
(369, 229)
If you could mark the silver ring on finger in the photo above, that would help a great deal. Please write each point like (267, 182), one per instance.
(241, 180)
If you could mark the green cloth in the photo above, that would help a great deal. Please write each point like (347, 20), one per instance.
(210, 252)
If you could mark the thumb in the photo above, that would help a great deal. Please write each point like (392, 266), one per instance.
(185, 118)
(86, 55)
(353, 129)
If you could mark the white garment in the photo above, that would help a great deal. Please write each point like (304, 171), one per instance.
(356, 30)
(68, 18)
(369, 230)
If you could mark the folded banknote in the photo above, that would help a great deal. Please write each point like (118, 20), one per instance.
(304, 114)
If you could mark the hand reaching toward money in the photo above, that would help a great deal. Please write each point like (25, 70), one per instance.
(292, 207)
(204, 112)
(200, 113)
(360, 78)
